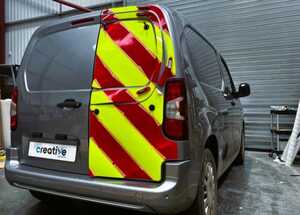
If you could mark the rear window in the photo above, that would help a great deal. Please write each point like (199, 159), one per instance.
(63, 60)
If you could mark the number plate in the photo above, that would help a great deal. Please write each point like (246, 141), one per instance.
(52, 151)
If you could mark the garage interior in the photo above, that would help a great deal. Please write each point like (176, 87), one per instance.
(260, 41)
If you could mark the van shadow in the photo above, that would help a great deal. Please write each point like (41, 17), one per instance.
(232, 189)
(66, 206)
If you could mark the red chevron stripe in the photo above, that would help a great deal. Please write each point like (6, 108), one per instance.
(139, 117)
(114, 151)
(148, 127)
(134, 49)
(90, 173)
(100, 73)
(157, 10)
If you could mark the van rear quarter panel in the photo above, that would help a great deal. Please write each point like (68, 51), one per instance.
(204, 118)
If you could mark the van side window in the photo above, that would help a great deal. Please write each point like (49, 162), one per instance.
(203, 59)
(228, 82)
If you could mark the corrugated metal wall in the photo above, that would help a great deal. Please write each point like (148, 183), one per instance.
(23, 17)
(260, 40)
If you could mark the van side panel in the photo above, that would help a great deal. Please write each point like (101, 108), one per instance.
(126, 140)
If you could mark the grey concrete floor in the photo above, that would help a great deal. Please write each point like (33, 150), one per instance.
(261, 187)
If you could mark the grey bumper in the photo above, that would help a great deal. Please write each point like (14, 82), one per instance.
(174, 194)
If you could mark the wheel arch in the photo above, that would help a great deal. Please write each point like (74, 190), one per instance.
(212, 144)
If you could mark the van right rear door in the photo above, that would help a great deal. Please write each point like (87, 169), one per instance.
(126, 138)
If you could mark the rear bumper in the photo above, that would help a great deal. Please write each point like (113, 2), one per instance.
(176, 193)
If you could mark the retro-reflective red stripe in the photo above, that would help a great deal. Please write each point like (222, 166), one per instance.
(148, 127)
(90, 172)
(140, 119)
(162, 21)
(166, 74)
(100, 74)
(114, 151)
(134, 49)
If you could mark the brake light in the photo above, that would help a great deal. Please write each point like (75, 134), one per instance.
(175, 123)
(13, 111)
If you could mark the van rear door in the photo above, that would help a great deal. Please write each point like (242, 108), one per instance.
(126, 139)
(54, 95)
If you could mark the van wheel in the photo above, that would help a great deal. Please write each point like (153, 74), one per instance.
(206, 201)
(240, 159)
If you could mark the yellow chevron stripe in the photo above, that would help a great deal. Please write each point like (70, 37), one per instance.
(129, 137)
(117, 61)
(101, 164)
(150, 39)
(125, 10)
(119, 65)
(156, 98)
(170, 50)
(137, 29)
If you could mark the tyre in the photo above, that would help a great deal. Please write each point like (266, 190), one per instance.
(240, 159)
(206, 201)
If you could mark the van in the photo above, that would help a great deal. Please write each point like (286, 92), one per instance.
(130, 107)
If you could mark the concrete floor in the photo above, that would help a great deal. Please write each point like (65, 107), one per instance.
(261, 187)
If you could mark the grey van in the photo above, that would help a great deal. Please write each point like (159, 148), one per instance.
(130, 107)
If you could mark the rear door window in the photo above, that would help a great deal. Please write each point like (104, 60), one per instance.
(63, 60)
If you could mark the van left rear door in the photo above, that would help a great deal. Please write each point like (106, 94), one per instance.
(56, 73)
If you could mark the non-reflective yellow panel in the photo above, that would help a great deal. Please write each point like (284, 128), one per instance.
(100, 163)
(132, 141)
(118, 62)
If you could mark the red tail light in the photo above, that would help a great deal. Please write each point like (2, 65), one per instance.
(13, 112)
(175, 123)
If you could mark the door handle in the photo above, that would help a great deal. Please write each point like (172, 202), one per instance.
(69, 104)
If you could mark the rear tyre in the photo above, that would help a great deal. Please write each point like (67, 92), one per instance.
(206, 201)
(240, 159)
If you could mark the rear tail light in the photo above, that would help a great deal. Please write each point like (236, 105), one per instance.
(13, 112)
(175, 123)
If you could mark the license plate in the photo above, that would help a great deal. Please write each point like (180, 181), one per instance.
(52, 151)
